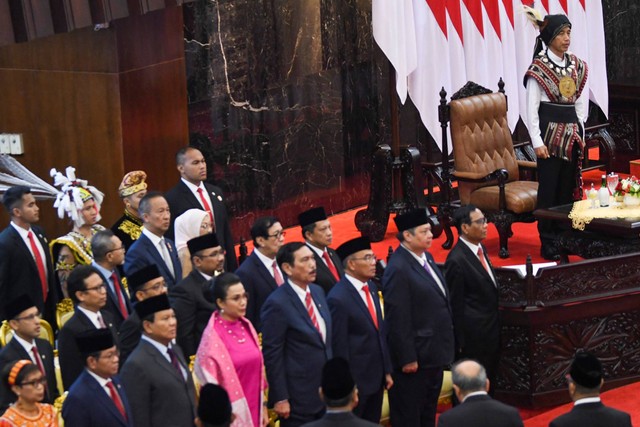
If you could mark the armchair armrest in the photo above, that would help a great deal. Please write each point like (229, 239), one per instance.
(527, 164)
(499, 175)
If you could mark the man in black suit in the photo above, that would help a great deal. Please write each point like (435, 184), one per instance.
(108, 255)
(23, 270)
(359, 333)
(316, 231)
(97, 398)
(144, 283)
(191, 299)
(585, 380)
(340, 394)
(152, 247)
(260, 273)
(418, 314)
(88, 291)
(156, 375)
(24, 318)
(477, 409)
(192, 192)
(473, 290)
(296, 338)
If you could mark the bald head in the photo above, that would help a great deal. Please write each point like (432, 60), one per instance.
(469, 376)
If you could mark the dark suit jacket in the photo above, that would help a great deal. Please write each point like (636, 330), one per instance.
(340, 419)
(193, 304)
(474, 301)
(88, 405)
(181, 199)
(417, 313)
(19, 273)
(324, 277)
(143, 252)
(14, 351)
(129, 336)
(592, 415)
(71, 361)
(481, 411)
(355, 337)
(259, 283)
(293, 349)
(158, 395)
(112, 306)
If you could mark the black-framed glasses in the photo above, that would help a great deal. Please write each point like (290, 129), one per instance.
(99, 288)
(40, 381)
(121, 248)
(480, 221)
(367, 258)
(33, 316)
(237, 298)
(278, 234)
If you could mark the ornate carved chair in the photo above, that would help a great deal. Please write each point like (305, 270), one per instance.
(485, 164)
(64, 311)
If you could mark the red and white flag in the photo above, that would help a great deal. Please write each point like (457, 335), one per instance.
(597, 61)
(394, 31)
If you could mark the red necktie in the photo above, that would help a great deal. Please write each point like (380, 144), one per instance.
(36, 356)
(207, 208)
(312, 312)
(332, 268)
(118, 289)
(370, 306)
(41, 271)
(276, 274)
(116, 399)
(174, 362)
(482, 261)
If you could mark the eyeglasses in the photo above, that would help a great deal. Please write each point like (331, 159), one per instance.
(33, 316)
(99, 288)
(237, 298)
(121, 248)
(213, 254)
(367, 258)
(278, 235)
(480, 221)
(40, 381)
(155, 287)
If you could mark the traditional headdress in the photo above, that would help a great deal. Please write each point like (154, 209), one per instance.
(15, 370)
(73, 193)
(549, 26)
(132, 183)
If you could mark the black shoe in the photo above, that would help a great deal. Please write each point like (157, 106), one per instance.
(549, 252)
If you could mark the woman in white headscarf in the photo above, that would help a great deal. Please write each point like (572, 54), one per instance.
(192, 223)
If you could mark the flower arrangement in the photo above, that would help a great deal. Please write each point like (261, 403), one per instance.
(628, 186)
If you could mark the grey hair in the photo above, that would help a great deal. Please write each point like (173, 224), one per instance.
(469, 384)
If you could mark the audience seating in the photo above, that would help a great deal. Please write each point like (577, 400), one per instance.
(64, 311)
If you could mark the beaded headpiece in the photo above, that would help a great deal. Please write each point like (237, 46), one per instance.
(15, 370)
(73, 193)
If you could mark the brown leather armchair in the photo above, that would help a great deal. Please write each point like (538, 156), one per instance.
(485, 164)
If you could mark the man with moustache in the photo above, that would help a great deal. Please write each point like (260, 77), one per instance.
(296, 338)
(131, 190)
(418, 314)
(192, 192)
(152, 247)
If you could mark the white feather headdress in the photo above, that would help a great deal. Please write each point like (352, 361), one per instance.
(73, 193)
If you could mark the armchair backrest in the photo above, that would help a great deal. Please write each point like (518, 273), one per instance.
(481, 139)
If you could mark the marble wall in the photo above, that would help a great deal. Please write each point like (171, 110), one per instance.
(285, 97)
(288, 99)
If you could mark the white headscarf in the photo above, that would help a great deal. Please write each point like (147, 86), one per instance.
(187, 226)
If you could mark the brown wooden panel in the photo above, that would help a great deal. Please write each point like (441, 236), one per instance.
(81, 13)
(61, 16)
(149, 39)
(6, 26)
